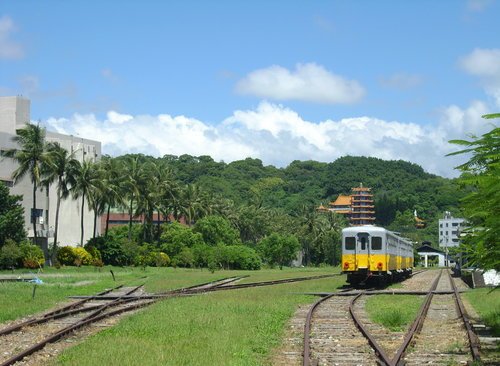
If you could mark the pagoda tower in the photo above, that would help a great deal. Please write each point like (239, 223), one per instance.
(362, 206)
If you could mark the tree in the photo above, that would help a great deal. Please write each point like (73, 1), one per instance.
(85, 181)
(482, 206)
(279, 249)
(11, 217)
(112, 180)
(30, 157)
(60, 167)
(217, 230)
(134, 177)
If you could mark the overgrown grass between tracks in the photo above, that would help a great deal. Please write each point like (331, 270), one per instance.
(395, 312)
(237, 327)
(16, 298)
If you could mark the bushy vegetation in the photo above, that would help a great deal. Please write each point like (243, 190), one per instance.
(11, 217)
(237, 205)
(481, 175)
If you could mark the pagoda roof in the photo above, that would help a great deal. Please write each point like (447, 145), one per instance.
(342, 201)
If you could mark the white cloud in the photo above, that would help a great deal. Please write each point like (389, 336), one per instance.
(478, 5)
(117, 118)
(485, 64)
(482, 62)
(308, 82)
(401, 81)
(279, 135)
(9, 49)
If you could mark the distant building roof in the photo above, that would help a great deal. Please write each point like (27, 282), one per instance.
(342, 201)
(428, 249)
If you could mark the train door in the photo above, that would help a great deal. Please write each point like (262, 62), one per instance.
(362, 250)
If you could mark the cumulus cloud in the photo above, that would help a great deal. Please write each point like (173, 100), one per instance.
(308, 82)
(278, 135)
(485, 64)
(9, 49)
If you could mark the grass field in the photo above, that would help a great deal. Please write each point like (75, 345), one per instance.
(237, 327)
(395, 312)
(487, 303)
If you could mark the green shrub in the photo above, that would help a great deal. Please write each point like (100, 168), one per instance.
(10, 255)
(162, 260)
(67, 256)
(185, 258)
(32, 256)
(236, 257)
(82, 256)
(93, 251)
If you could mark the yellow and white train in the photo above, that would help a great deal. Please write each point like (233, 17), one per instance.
(373, 253)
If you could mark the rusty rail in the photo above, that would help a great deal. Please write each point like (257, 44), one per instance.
(473, 339)
(56, 314)
(94, 316)
(417, 324)
(379, 351)
(307, 331)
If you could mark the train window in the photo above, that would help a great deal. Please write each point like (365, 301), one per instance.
(363, 243)
(350, 243)
(376, 243)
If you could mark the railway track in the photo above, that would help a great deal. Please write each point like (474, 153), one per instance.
(60, 323)
(338, 331)
(55, 325)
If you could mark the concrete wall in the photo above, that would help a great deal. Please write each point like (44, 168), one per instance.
(13, 111)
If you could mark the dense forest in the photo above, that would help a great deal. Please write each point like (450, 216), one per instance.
(399, 187)
(237, 215)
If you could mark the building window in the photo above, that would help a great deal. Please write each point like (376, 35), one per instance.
(440, 225)
(35, 214)
(454, 224)
(8, 183)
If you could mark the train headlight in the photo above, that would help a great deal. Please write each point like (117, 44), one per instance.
(346, 265)
(379, 265)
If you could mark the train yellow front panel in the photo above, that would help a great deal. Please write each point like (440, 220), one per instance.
(375, 260)
(348, 262)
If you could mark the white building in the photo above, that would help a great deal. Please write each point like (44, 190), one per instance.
(14, 114)
(449, 230)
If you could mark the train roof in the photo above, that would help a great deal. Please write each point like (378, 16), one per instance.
(364, 228)
(372, 229)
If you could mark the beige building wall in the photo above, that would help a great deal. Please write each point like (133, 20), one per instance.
(14, 113)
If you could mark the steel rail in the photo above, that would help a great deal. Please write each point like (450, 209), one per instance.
(270, 283)
(473, 339)
(94, 316)
(307, 331)
(195, 287)
(59, 313)
(64, 332)
(418, 323)
(379, 351)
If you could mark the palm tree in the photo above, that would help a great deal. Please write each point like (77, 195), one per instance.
(192, 203)
(86, 181)
(112, 183)
(165, 189)
(134, 176)
(30, 157)
(60, 168)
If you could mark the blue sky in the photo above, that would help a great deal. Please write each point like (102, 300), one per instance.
(275, 80)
